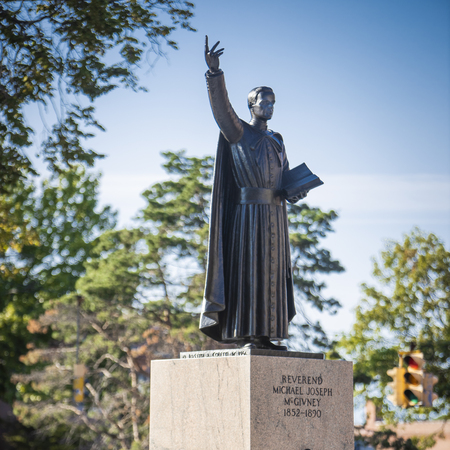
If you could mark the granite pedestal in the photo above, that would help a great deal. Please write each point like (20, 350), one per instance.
(252, 400)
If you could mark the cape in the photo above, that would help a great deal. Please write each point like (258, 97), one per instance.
(221, 208)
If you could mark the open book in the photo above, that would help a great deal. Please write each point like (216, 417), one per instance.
(298, 180)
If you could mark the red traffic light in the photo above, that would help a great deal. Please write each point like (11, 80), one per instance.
(411, 362)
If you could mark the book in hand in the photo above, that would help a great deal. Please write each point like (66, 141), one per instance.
(298, 180)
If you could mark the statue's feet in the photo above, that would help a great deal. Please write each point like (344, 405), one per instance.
(265, 343)
(262, 343)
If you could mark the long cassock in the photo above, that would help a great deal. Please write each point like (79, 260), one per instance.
(249, 289)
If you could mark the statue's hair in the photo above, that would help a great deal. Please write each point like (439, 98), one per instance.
(253, 95)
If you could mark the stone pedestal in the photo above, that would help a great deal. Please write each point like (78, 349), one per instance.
(251, 401)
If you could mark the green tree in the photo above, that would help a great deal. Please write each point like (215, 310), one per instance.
(121, 332)
(69, 51)
(50, 235)
(308, 226)
(409, 304)
(175, 227)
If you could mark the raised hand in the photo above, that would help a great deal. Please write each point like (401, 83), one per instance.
(212, 56)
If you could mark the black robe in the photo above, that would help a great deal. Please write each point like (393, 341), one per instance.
(249, 290)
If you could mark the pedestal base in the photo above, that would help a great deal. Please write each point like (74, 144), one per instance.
(251, 402)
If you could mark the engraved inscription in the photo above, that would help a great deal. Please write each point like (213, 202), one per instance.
(214, 353)
(302, 395)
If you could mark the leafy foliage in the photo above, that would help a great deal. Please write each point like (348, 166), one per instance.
(410, 304)
(121, 330)
(175, 225)
(42, 249)
(16, 436)
(309, 261)
(120, 335)
(71, 50)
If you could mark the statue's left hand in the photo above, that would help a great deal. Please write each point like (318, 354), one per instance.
(300, 196)
(212, 56)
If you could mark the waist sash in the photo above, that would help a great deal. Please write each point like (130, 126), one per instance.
(260, 196)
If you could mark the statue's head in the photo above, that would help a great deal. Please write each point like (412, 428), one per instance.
(260, 102)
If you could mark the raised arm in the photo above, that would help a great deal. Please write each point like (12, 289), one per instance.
(228, 121)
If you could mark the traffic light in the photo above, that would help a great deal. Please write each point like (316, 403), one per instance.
(398, 386)
(429, 380)
(413, 362)
(411, 385)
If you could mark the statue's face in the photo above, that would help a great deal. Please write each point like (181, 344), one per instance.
(263, 108)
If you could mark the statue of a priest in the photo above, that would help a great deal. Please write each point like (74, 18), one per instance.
(249, 296)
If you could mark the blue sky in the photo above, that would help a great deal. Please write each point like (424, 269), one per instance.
(362, 96)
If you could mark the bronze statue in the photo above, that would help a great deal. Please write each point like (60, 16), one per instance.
(249, 296)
